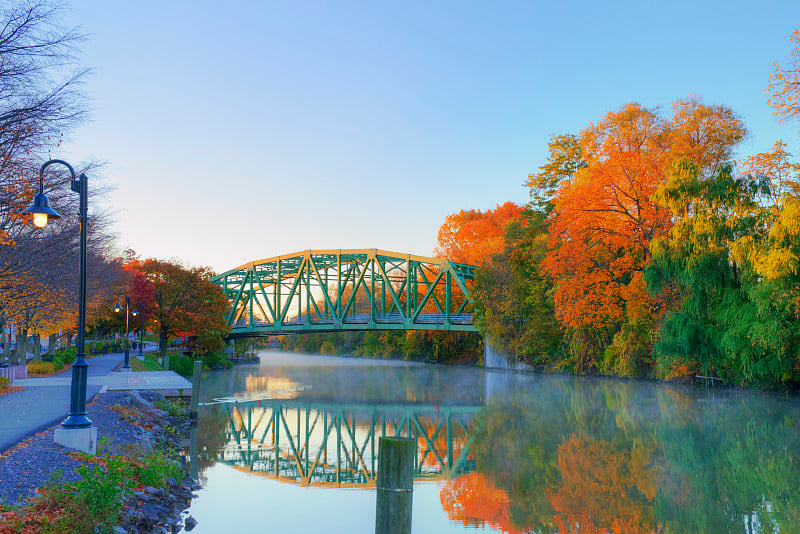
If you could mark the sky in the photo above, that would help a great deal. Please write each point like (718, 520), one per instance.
(234, 131)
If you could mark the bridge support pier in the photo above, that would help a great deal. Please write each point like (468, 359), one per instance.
(494, 358)
(501, 377)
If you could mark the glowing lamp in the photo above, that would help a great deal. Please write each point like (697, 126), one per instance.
(117, 307)
(41, 210)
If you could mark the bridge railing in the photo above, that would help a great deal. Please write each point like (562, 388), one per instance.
(361, 318)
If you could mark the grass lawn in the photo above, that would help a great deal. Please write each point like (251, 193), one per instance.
(150, 363)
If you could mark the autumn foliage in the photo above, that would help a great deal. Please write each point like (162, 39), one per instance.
(604, 489)
(605, 217)
(646, 251)
(472, 500)
(180, 301)
(474, 236)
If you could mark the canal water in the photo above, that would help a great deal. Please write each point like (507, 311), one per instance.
(291, 446)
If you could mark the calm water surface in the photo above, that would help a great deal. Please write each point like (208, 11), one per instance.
(291, 446)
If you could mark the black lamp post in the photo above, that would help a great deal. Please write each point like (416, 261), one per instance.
(117, 309)
(42, 212)
(136, 312)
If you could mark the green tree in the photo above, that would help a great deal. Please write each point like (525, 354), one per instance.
(712, 213)
(513, 299)
(564, 160)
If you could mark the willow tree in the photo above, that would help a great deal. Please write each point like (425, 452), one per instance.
(712, 213)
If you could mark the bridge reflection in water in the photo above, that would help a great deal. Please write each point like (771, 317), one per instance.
(317, 444)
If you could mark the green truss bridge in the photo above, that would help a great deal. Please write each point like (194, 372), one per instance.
(347, 289)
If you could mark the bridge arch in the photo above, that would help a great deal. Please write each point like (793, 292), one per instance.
(347, 289)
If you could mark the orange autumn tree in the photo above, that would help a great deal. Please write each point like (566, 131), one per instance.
(472, 500)
(604, 217)
(605, 488)
(474, 236)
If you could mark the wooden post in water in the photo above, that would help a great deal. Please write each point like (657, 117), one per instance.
(194, 468)
(198, 366)
(395, 485)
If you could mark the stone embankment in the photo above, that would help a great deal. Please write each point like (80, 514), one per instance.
(159, 510)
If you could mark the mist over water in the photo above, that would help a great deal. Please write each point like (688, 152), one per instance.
(500, 451)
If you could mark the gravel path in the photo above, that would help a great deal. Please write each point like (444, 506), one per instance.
(36, 460)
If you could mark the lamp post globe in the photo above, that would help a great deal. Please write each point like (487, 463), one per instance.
(41, 210)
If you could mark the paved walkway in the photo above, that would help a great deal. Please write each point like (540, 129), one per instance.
(45, 401)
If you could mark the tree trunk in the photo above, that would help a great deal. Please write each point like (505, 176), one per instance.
(22, 346)
(37, 348)
(162, 343)
(52, 339)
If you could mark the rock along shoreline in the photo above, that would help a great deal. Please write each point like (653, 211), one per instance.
(131, 425)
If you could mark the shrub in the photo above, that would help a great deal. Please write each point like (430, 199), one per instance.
(181, 365)
(156, 469)
(214, 360)
(4, 382)
(41, 368)
(102, 490)
(172, 408)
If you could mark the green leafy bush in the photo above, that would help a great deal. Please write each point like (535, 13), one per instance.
(156, 469)
(102, 490)
(213, 360)
(181, 365)
(172, 408)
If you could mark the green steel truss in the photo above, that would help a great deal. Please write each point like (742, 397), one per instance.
(354, 289)
(337, 445)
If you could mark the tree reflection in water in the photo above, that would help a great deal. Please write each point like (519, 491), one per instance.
(545, 454)
(616, 457)
(473, 501)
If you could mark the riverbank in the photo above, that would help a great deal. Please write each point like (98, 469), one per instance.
(138, 482)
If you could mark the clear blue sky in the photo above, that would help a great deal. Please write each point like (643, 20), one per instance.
(241, 130)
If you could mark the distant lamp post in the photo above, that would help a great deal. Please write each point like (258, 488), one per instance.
(117, 309)
(136, 312)
(76, 430)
